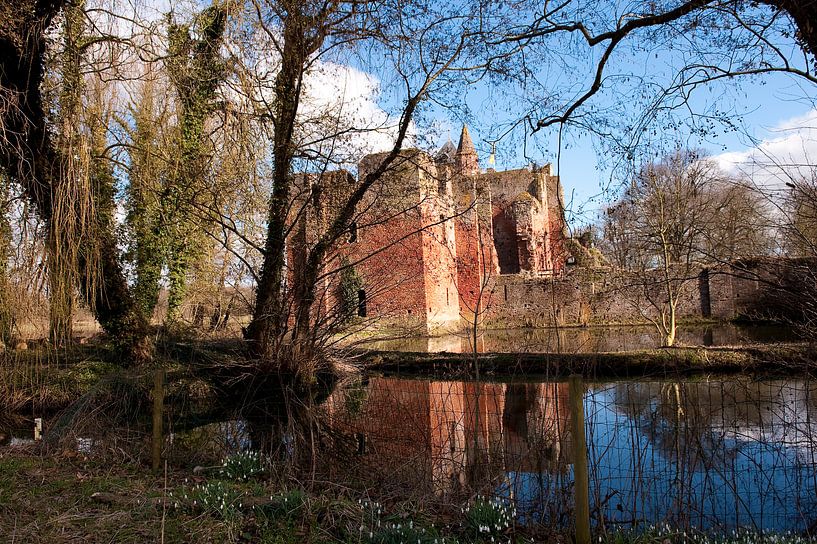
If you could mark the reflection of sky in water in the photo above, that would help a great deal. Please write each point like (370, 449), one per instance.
(721, 476)
(742, 453)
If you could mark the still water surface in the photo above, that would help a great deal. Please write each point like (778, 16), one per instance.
(709, 454)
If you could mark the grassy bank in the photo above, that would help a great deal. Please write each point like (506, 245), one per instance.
(101, 500)
(43, 381)
(774, 359)
(67, 497)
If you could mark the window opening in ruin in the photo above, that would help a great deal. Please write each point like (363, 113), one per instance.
(361, 303)
(446, 297)
(316, 196)
(353, 232)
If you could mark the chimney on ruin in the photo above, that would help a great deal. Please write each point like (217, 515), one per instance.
(467, 159)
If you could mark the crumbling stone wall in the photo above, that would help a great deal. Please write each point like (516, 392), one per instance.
(757, 289)
(430, 233)
(528, 221)
(583, 297)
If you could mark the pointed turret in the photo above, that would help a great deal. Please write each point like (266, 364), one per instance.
(467, 159)
(466, 144)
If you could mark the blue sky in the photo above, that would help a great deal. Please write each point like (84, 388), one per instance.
(764, 107)
(761, 107)
(774, 115)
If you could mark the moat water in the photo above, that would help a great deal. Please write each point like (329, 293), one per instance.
(589, 339)
(702, 454)
(710, 455)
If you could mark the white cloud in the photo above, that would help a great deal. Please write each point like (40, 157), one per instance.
(344, 101)
(340, 115)
(789, 152)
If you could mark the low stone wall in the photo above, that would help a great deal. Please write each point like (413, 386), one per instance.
(601, 297)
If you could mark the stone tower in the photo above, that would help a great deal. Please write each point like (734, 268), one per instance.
(467, 159)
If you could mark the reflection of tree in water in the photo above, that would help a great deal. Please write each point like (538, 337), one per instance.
(706, 430)
(700, 418)
(678, 419)
(538, 451)
(272, 417)
(441, 440)
(535, 420)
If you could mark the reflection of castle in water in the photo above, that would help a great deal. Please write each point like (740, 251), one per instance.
(444, 436)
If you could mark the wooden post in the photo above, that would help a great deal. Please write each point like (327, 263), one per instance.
(158, 408)
(582, 483)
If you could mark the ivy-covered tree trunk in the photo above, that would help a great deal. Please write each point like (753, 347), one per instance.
(28, 155)
(145, 178)
(196, 70)
(6, 302)
(61, 267)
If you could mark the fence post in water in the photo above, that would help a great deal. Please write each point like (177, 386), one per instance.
(158, 407)
(582, 483)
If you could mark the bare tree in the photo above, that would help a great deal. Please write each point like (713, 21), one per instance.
(307, 31)
(679, 215)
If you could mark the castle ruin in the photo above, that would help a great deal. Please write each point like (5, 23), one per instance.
(434, 232)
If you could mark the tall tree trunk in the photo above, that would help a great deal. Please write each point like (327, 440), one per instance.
(60, 294)
(60, 265)
(194, 65)
(269, 320)
(29, 157)
(7, 312)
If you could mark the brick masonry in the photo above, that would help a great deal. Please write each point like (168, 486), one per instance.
(437, 239)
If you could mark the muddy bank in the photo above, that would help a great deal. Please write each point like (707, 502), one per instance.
(783, 359)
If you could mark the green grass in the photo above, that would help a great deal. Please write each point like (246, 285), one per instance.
(48, 499)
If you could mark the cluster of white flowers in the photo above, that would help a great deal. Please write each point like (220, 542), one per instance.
(666, 534)
(489, 517)
(375, 530)
(212, 497)
(243, 465)
(401, 533)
